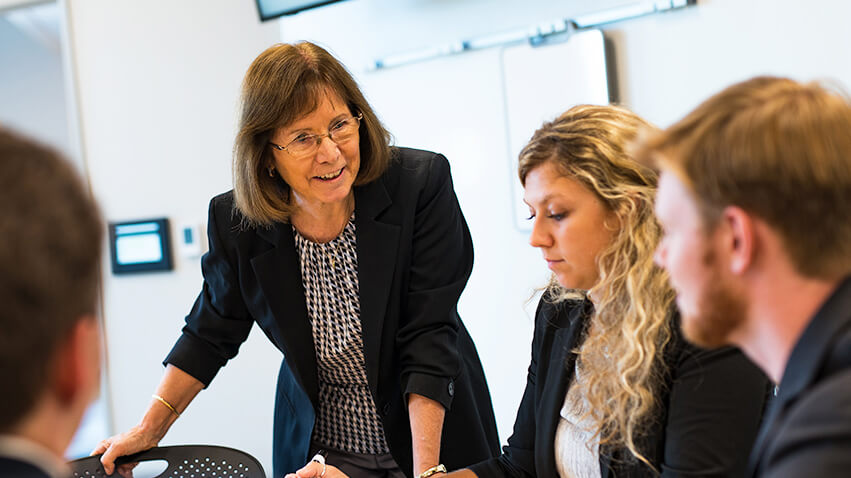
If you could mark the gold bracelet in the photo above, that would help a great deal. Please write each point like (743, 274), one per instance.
(164, 402)
(433, 470)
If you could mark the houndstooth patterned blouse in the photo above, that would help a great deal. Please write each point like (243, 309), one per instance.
(347, 418)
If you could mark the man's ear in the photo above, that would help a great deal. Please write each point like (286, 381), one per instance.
(77, 363)
(738, 239)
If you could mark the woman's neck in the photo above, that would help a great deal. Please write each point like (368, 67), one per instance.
(324, 222)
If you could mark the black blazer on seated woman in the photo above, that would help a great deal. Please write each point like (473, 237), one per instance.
(414, 257)
(712, 400)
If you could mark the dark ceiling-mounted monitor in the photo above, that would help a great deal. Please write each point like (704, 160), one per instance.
(270, 9)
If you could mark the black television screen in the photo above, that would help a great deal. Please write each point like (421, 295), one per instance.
(270, 9)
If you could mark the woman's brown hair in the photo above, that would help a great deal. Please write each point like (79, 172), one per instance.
(284, 83)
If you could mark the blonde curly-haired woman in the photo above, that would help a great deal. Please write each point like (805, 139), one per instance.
(613, 390)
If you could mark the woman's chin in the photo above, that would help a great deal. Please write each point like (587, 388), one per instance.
(331, 194)
(565, 282)
(573, 283)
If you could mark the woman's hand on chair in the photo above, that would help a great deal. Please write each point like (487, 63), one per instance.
(132, 441)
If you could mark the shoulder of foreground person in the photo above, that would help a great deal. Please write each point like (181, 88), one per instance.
(814, 438)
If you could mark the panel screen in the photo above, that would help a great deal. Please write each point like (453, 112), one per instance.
(140, 246)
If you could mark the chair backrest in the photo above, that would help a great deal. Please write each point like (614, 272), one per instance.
(184, 461)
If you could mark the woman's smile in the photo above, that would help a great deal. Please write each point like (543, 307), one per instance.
(330, 177)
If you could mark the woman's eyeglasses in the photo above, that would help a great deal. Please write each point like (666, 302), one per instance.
(308, 144)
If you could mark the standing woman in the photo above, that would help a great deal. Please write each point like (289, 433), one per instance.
(351, 256)
(612, 389)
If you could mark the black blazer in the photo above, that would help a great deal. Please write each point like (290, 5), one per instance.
(414, 257)
(807, 430)
(712, 401)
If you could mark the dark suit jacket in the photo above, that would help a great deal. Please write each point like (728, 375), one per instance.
(414, 257)
(13, 468)
(807, 430)
(712, 404)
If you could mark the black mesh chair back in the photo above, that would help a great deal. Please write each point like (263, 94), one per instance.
(184, 461)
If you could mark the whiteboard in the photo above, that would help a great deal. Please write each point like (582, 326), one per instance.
(542, 82)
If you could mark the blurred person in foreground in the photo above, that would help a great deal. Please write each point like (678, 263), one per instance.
(49, 334)
(755, 200)
(613, 390)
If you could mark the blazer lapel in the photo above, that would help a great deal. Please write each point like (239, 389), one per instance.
(279, 274)
(551, 403)
(560, 374)
(377, 244)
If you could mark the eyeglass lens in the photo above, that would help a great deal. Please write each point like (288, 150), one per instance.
(341, 132)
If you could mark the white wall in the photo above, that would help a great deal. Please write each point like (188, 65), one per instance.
(159, 81)
(668, 64)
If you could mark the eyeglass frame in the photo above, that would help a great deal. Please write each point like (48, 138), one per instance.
(317, 137)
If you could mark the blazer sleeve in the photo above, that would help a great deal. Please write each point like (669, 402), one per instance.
(441, 261)
(219, 321)
(518, 456)
(715, 409)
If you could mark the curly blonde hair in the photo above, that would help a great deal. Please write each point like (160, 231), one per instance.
(621, 357)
